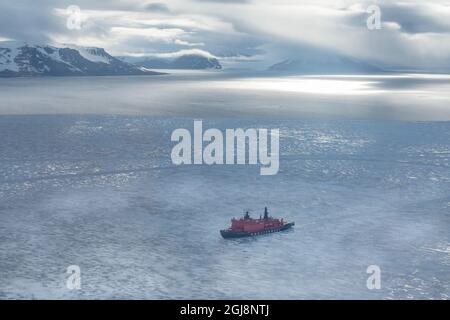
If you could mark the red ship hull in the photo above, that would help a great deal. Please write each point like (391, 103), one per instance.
(237, 233)
(247, 227)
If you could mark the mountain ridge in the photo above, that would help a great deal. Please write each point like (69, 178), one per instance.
(21, 59)
(338, 65)
(189, 61)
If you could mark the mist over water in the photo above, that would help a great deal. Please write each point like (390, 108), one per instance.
(214, 94)
(82, 186)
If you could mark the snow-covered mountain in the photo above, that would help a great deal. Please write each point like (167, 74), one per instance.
(335, 66)
(309, 59)
(185, 61)
(22, 59)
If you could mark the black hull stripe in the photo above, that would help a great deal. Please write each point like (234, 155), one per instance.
(230, 234)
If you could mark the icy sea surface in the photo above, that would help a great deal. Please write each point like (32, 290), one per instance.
(100, 192)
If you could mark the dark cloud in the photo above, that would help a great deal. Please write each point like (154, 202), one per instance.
(157, 7)
(28, 21)
(414, 19)
(226, 1)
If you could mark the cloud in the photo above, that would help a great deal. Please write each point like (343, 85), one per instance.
(419, 18)
(225, 1)
(150, 34)
(414, 33)
(157, 7)
(28, 21)
(184, 52)
(341, 27)
(188, 44)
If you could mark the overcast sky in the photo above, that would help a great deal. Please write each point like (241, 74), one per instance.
(413, 33)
